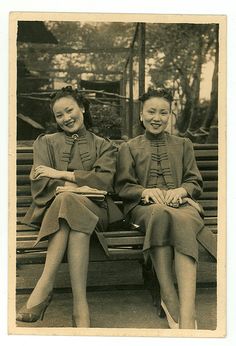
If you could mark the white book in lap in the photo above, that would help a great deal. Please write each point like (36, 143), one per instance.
(84, 190)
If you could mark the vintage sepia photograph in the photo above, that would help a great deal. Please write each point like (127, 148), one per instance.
(117, 156)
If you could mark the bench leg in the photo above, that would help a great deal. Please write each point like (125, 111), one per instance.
(151, 283)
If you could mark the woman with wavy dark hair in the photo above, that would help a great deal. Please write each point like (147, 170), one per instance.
(158, 179)
(72, 158)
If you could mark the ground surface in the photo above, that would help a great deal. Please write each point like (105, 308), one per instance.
(128, 308)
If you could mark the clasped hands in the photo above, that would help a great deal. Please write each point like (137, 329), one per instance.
(170, 197)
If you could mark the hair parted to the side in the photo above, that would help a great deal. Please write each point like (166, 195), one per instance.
(78, 97)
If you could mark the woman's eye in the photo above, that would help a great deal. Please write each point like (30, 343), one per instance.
(70, 110)
(58, 116)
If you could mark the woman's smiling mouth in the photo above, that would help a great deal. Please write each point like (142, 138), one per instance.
(70, 123)
(155, 125)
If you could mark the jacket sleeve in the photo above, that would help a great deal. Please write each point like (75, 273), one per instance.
(127, 185)
(43, 189)
(101, 176)
(192, 180)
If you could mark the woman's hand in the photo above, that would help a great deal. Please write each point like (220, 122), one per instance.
(69, 183)
(153, 195)
(175, 195)
(48, 172)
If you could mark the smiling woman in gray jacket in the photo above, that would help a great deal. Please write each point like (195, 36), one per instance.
(158, 179)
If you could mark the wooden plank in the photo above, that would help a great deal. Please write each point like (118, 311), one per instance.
(209, 241)
(103, 274)
(23, 168)
(209, 175)
(208, 195)
(21, 211)
(29, 244)
(210, 185)
(209, 164)
(24, 201)
(210, 154)
(210, 221)
(205, 146)
(27, 146)
(210, 212)
(121, 233)
(125, 241)
(99, 274)
(31, 258)
(22, 227)
(26, 157)
(209, 204)
(26, 234)
(23, 179)
(23, 190)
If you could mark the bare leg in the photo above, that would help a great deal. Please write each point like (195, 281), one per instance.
(78, 259)
(162, 258)
(56, 249)
(186, 269)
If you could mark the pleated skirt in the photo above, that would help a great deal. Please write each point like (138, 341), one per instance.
(167, 226)
(80, 213)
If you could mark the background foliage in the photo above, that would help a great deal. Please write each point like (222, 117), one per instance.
(175, 57)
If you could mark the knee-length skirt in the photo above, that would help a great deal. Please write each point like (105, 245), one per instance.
(80, 213)
(164, 225)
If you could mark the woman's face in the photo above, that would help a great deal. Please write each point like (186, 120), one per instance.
(68, 114)
(155, 114)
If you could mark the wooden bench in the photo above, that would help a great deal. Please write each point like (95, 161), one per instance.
(122, 243)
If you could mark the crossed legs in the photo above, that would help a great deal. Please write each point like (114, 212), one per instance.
(77, 244)
(182, 306)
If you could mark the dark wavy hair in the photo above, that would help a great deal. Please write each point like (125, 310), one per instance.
(163, 92)
(78, 97)
(157, 92)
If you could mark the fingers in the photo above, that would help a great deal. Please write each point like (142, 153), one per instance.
(154, 195)
(173, 196)
(40, 171)
(169, 196)
(158, 196)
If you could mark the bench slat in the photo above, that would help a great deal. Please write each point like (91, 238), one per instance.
(209, 175)
(210, 154)
(22, 179)
(210, 185)
(29, 244)
(213, 164)
(23, 168)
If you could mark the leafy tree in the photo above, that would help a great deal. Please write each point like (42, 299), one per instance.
(180, 51)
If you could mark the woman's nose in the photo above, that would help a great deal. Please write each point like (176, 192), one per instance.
(66, 116)
(156, 116)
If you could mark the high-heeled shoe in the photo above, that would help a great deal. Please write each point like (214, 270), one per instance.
(75, 325)
(36, 312)
(170, 320)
